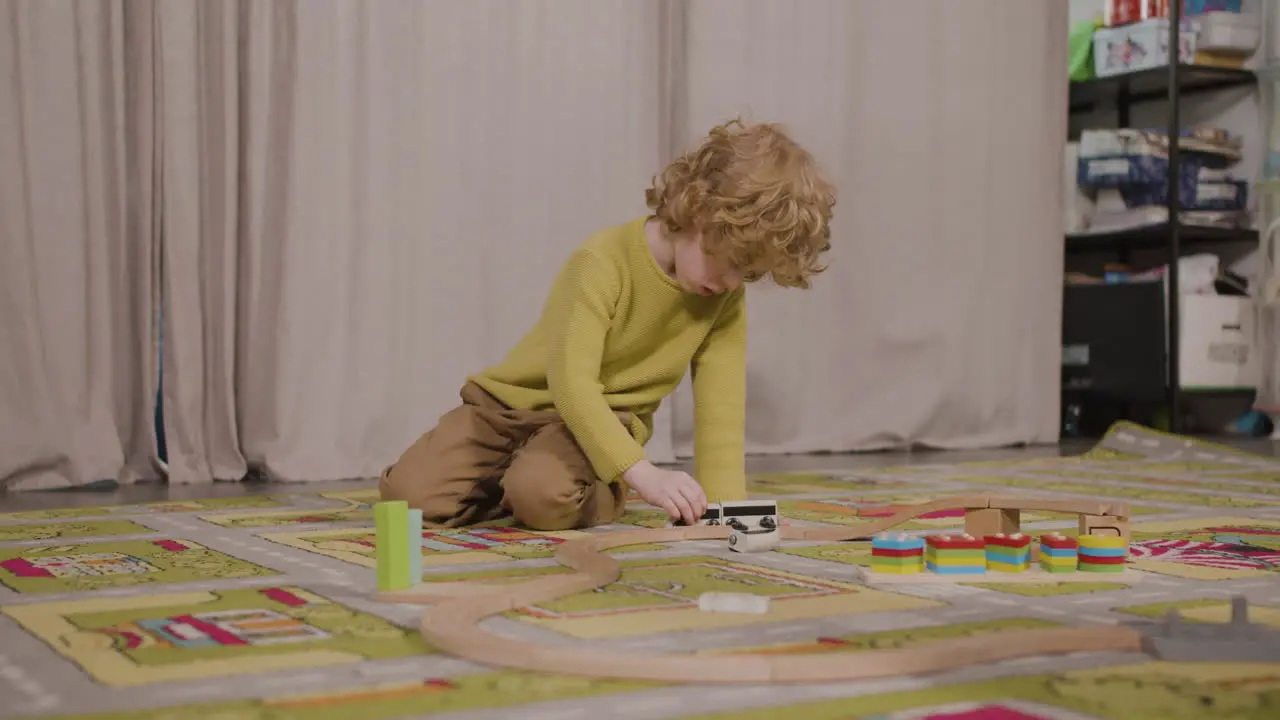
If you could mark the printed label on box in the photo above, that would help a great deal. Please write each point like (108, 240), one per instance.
(1110, 166)
(1234, 353)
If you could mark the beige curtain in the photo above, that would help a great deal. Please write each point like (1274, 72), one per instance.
(358, 204)
(942, 123)
(76, 242)
(365, 202)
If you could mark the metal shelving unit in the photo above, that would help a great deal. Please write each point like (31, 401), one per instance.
(1154, 237)
(1169, 83)
(1267, 192)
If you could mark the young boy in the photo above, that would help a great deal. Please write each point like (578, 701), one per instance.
(553, 435)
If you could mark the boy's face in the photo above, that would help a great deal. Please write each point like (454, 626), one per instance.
(701, 273)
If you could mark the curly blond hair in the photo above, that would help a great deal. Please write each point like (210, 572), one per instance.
(757, 197)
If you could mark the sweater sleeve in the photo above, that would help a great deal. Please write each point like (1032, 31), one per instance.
(719, 371)
(581, 308)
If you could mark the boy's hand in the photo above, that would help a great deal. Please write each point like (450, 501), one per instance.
(674, 491)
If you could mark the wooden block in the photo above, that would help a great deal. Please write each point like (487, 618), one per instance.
(980, 522)
(391, 545)
(1104, 525)
(1119, 509)
(413, 534)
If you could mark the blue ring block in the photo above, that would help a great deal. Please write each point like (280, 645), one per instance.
(1104, 552)
(1058, 552)
(1009, 559)
(1009, 556)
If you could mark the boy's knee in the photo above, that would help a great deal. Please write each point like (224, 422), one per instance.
(541, 505)
(550, 485)
(393, 485)
(541, 501)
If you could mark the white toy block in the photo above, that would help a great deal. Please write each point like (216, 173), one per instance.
(733, 603)
(754, 541)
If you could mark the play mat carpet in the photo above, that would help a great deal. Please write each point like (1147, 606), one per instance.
(257, 607)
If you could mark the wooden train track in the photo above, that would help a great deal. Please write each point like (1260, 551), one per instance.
(452, 623)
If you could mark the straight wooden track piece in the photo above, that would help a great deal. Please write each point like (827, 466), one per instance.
(866, 530)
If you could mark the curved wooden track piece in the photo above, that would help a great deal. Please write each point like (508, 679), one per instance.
(453, 623)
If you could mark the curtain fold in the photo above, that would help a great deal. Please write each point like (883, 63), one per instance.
(346, 208)
(942, 125)
(76, 243)
(366, 202)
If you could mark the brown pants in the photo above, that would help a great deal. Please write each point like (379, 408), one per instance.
(484, 461)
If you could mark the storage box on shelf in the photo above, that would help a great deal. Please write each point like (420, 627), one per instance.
(1218, 347)
(1114, 341)
(1125, 175)
(1216, 38)
(1228, 35)
(1124, 12)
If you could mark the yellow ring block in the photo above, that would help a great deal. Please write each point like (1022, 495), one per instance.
(1102, 542)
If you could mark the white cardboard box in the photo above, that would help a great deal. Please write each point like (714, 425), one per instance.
(1139, 46)
(1218, 347)
(1228, 33)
